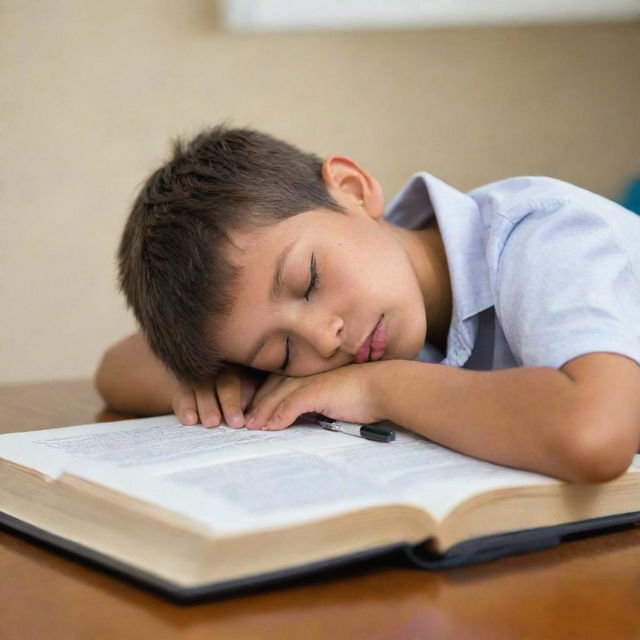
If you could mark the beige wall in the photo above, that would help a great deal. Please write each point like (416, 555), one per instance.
(92, 91)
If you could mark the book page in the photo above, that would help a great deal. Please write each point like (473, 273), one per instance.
(229, 479)
(235, 479)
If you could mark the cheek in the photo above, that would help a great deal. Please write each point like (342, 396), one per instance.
(381, 274)
(313, 365)
(363, 280)
(240, 335)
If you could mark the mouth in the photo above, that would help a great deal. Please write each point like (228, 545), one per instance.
(373, 347)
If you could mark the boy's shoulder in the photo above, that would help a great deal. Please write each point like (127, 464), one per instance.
(513, 198)
(553, 211)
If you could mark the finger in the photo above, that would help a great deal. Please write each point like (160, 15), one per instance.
(208, 408)
(266, 389)
(248, 390)
(290, 408)
(275, 389)
(184, 405)
(229, 389)
(264, 409)
(251, 381)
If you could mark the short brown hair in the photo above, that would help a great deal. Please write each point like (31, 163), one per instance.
(173, 264)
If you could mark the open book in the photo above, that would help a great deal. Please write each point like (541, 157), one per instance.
(192, 511)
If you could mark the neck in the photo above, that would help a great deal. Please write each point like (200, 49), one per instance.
(426, 251)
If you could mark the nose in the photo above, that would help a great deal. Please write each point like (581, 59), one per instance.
(324, 334)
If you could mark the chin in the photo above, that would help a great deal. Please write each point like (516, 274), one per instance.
(412, 332)
(410, 353)
(415, 345)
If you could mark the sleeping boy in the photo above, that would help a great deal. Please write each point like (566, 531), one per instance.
(267, 283)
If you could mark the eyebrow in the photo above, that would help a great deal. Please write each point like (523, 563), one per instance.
(277, 284)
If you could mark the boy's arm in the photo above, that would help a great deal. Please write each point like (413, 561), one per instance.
(581, 422)
(132, 380)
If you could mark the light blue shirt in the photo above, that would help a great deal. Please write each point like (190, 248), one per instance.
(541, 271)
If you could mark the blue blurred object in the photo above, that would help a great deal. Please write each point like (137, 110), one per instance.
(631, 196)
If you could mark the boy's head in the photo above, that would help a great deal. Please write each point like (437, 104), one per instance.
(209, 228)
(173, 256)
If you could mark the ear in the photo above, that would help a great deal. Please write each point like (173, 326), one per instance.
(352, 187)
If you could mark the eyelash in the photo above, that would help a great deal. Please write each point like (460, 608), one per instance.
(314, 282)
(314, 279)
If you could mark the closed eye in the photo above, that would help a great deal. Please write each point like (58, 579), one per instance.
(314, 283)
(285, 364)
(314, 279)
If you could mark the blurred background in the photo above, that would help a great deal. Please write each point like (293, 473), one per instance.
(92, 92)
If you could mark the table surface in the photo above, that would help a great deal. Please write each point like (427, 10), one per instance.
(584, 589)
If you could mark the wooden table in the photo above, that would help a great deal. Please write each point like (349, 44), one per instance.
(585, 589)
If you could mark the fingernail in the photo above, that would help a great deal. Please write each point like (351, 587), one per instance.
(212, 421)
(189, 418)
(236, 420)
(251, 422)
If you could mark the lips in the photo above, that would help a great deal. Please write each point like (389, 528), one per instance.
(373, 346)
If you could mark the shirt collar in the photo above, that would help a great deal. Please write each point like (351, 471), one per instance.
(462, 229)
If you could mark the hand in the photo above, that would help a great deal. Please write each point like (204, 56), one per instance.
(346, 393)
(226, 395)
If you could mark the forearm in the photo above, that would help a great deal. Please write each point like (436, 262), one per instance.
(132, 380)
(519, 417)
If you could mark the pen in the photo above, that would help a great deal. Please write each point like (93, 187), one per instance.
(367, 431)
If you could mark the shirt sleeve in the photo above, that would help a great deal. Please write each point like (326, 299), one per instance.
(566, 286)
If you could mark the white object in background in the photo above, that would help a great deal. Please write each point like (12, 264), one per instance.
(301, 15)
